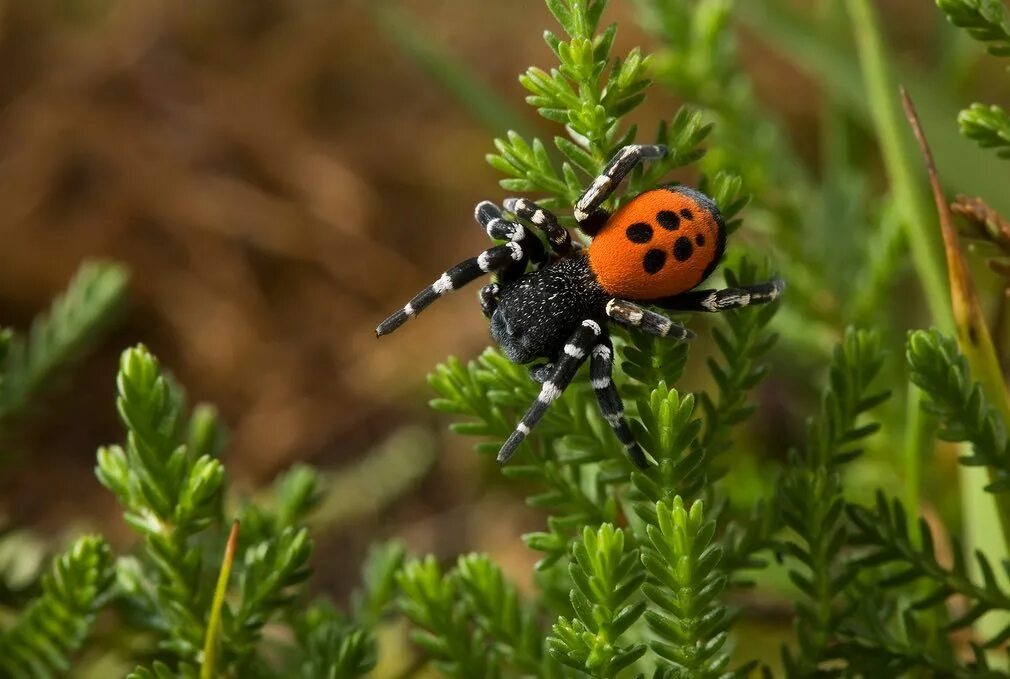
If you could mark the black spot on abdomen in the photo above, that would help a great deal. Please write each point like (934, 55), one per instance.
(682, 249)
(699, 240)
(687, 214)
(639, 232)
(654, 261)
(668, 220)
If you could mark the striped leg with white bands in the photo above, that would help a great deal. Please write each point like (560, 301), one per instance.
(601, 368)
(557, 236)
(728, 298)
(565, 366)
(617, 169)
(627, 313)
(494, 259)
(489, 216)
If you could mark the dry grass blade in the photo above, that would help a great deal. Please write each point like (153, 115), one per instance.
(972, 332)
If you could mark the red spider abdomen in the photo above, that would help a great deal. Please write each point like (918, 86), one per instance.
(661, 243)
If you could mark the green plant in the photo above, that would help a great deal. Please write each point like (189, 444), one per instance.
(172, 487)
(605, 574)
(685, 588)
(74, 322)
(587, 485)
(813, 499)
(855, 612)
(641, 573)
(56, 624)
(589, 92)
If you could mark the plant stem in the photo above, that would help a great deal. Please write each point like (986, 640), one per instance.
(915, 445)
(912, 206)
(898, 153)
(879, 85)
(207, 669)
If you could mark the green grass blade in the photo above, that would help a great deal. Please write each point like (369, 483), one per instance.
(207, 670)
(971, 170)
(446, 69)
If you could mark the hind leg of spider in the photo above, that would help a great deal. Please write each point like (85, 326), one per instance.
(558, 237)
(494, 259)
(565, 367)
(632, 315)
(601, 368)
(623, 162)
(714, 301)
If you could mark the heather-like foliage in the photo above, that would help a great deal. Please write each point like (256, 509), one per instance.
(640, 573)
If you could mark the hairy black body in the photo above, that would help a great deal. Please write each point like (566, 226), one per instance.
(538, 313)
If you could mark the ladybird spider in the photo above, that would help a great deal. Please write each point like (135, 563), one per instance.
(655, 249)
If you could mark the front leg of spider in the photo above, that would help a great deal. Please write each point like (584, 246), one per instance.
(565, 366)
(616, 170)
(490, 218)
(493, 259)
(508, 260)
(557, 236)
(489, 299)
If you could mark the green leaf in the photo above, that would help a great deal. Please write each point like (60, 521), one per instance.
(54, 626)
(986, 21)
(812, 497)
(160, 670)
(331, 647)
(496, 608)
(606, 572)
(958, 401)
(432, 601)
(987, 125)
(885, 533)
(684, 585)
(378, 575)
(169, 495)
(73, 323)
(271, 571)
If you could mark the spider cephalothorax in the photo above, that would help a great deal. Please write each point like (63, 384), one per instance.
(656, 249)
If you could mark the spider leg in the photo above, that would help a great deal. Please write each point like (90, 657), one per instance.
(727, 298)
(557, 236)
(565, 367)
(601, 368)
(617, 169)
(634, 316)
(542, 372)
(494, 259)
(489, 299)
(489, 216)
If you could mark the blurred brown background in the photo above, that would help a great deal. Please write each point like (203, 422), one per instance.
(278, 175)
